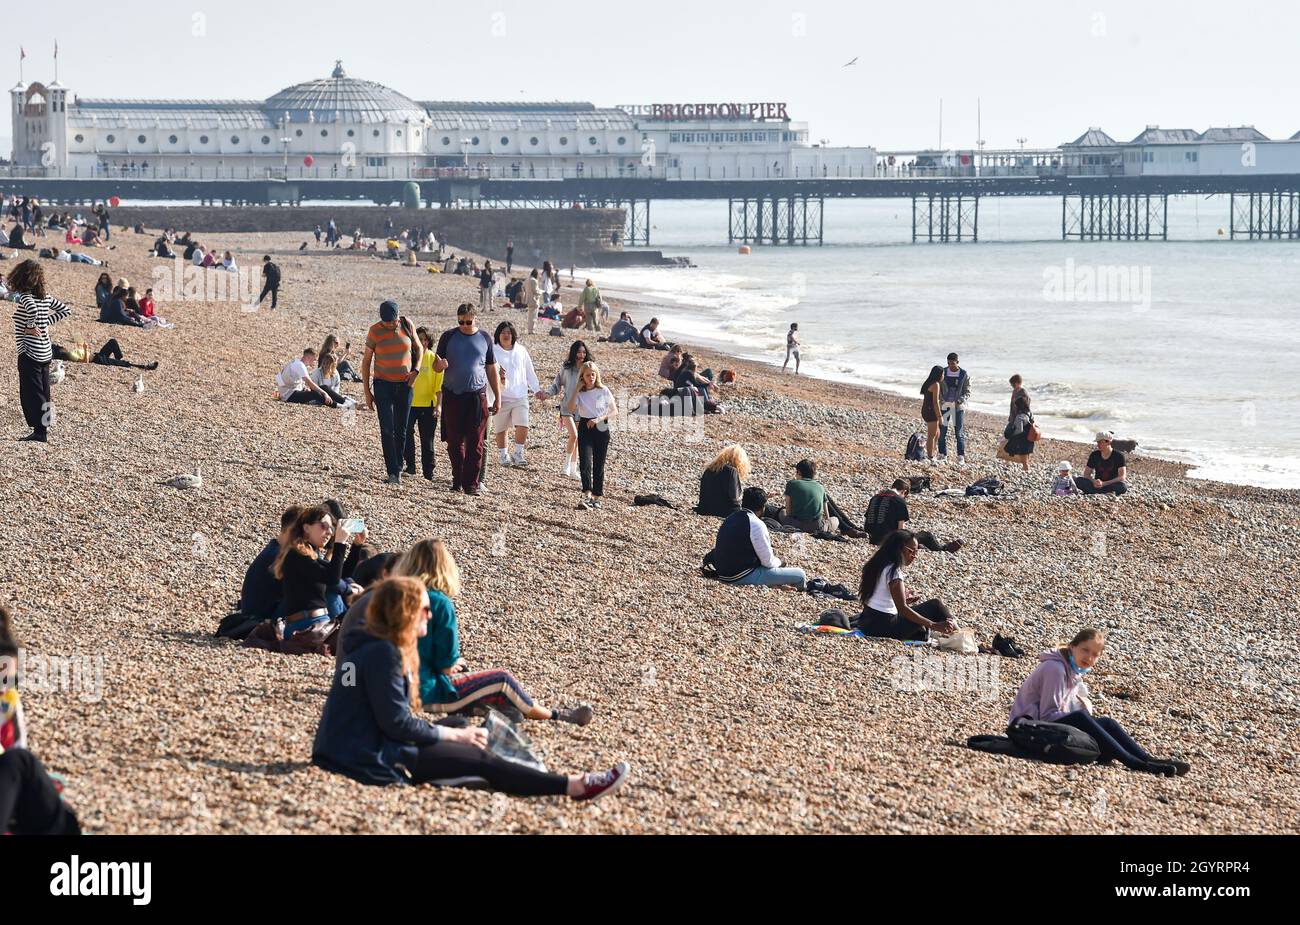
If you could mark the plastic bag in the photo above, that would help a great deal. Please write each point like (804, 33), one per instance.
(962, 642)
(506, 741)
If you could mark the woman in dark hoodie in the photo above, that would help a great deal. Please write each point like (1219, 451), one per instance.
(370, 729)
(118, 311)
(1055, 693)
(103, 291)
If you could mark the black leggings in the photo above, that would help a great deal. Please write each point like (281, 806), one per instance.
(1111, 738)
(593, 447)
(426, 419)
(29, 804)
(897, 626)
(111, 355)
(453, 760)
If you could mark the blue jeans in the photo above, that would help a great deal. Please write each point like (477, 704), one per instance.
(1111, 738)
(958, 420)
(762, 575)
(393, 402)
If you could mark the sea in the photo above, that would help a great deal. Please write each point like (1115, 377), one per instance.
(1187, 345)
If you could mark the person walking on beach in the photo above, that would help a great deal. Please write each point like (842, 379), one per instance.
(465, 356)
(592, 404)
(532, 300)
(589, 302)
(485, 283)
(35, 311)
(510, 256)
(565, 385)
(1019, 443)
(955, 393)
(270, 282)
(393, 354)
(931, 410)
(518, 385)
(792, 348)
(426, 396)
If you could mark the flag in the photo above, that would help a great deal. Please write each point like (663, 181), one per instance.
(22, 53)
(56, 51)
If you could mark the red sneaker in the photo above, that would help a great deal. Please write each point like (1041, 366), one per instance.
(596, 785)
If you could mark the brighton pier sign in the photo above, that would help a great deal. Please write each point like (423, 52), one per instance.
(684, 112)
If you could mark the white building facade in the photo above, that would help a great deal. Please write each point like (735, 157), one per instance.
(342, 126)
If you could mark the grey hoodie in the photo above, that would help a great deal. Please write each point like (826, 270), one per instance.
(1051, 691)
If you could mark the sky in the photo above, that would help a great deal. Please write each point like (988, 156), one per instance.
(1043, 71)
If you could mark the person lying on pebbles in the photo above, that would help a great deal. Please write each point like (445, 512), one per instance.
(1055, 693)
(888, 610)
(887, 512)
(446, 684)
(370, 729)
(742, 553)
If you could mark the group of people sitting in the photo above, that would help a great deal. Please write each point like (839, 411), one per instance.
(118, 304)
(389, 620)
(316, 377)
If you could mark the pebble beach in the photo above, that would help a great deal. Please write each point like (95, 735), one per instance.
(733, 721)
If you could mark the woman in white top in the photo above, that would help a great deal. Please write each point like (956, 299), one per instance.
(228, 262)
(592, 404)
(565, 385)
(518, 384)
(888, 610)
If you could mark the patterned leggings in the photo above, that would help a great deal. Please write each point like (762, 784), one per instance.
(492, 688)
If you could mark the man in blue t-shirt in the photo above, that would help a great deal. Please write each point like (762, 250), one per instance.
(464, 356)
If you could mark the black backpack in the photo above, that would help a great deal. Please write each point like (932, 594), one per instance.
(985, 486)
(1053, 742)
(915, 448)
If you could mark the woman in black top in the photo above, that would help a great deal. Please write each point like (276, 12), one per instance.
(721, 483)
(103, 291)
(686, 377)
(930, 410)
(1018, 446)
(307, 579)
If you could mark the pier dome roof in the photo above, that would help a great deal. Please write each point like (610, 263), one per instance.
(345, 99)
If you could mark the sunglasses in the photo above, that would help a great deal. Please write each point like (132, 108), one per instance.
(465, 322)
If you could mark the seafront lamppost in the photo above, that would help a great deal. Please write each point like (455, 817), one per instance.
(285, 141)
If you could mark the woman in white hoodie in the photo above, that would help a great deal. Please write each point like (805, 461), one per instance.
(518, 384)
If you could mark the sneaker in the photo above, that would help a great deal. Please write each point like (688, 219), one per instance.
(34, 437)
(585, 504)
(394, 478)
(1163, 768)
(595, 786)
(595, 502)
(504, 457)
(961, 460)
(941, 460)
(410, 470)
(580, 715)
(517, 455)
(474, 490)
(575, 473)
(1180, 767)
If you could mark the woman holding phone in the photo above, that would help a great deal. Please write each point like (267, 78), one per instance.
(308, 580)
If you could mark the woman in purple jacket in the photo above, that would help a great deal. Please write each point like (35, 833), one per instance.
(1055, 693)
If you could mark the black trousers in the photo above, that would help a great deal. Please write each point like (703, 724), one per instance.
(593, 447)
(29, 804)
(897, 626)
(451, 760)
(34, 392)
(274, 292)
(426, 418)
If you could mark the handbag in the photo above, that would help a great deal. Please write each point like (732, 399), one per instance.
(1034, 433)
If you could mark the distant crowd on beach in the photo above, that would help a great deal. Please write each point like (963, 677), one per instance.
(399, 707)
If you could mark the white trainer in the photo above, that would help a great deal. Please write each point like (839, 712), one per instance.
(517, 457)
(504, 457)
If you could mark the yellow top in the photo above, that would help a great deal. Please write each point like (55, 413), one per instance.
(428, 384)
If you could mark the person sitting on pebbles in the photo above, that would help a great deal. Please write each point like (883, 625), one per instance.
(1106, 471)
(371, 731)
(1063, 485)
(887, 512)
(888, 610)
(446, 683)
(1055, 693)
(742, 553)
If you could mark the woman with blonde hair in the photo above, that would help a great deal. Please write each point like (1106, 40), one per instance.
(446, 683)
(723, 481)
(1055, 693)
(346, 369)
(371, 731)
(591, 406)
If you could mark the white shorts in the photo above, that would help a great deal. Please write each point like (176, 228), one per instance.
(513, 413)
